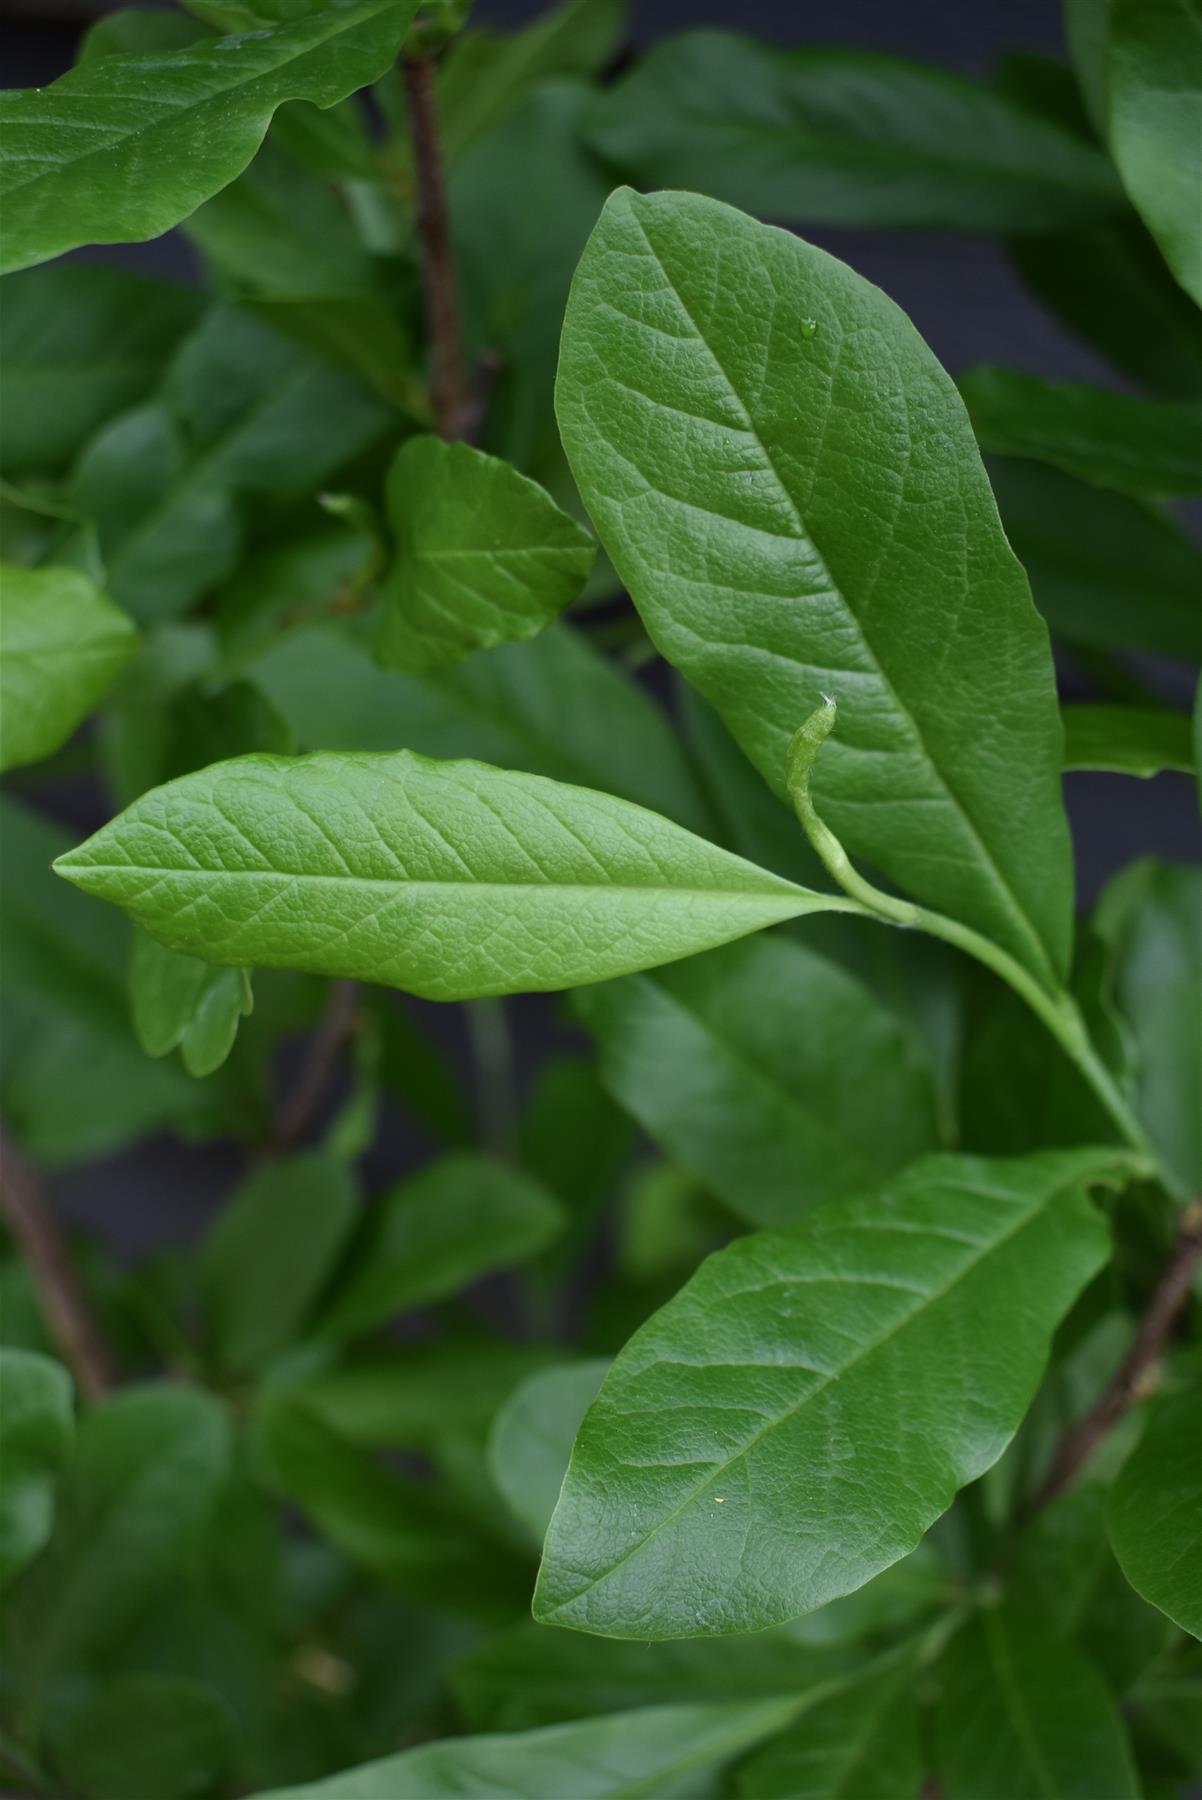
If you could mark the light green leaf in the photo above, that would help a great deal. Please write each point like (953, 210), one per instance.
(484, 556)
(62, 645)
(532, 1438)
(860, 1744)
(790, 1424)
(80, 344)
(127, 146)
(1123, 441)
(433, 1234)
(1154, 1512)
(149, 1737)
(447, 879)
(836, 137)
(717, 478)
(1132, 740)
(756, 1066)
(1107, 572)
(651, 1751)
(294, 1218)
(180, 1001)
(1024, 1716)
(36, 1425)
(1153, 65)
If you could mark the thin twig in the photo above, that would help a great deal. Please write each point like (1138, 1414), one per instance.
(70, 1319)
(336, 1027)
(448, 375)
(1131, 1381)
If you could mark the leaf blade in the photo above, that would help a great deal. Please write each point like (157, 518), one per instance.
(1154, 1513)
(62, 645)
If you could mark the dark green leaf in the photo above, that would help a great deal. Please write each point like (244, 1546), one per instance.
(717, 477)
(406, 1397)
(789, 1424)
(1133, 740)
(860, 1744)
(150, 1737)
(1154, 1512)
(62, 645)
(1153, 79)
(36, 1424)
(532, 1438)
(179, 1001)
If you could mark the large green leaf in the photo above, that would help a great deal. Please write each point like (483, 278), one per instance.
(835, 137)
(860, 1744)
(62, 645)
(1123, 441)
(127, 146)
(1132, 740)
(36, 1423)
(181, 1002)
(80, 343)
(1153, 63)
(1024, 1716)
(291, 1217)
(531, 1438)
(756, 1066)
(651, 1751)
(460, 1217)
(447, 879)
(718, 477)
(484, 556)
(1154, 1512)
(791, 1422)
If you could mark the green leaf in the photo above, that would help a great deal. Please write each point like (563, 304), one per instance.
(1024, 1716)
(1153, 63)
(717, 478)
(651, 1751)
(134, 29)
(407, 1396)
(148, 1467)
(1132, 740)
(532, 1438)
(836, 137)
(62, 645)
(790, 1423)
(1107, 572)
(447, 879)
(180, 1001)
(150, 1737)
(755, 1068)
(36, 1425)
(433, 1234)
(80, 344)
(1154, 1512)
(127, 146)
(484, 556)
(551, 706)
(860, 1744)
(294, 1218)
(1123, 441)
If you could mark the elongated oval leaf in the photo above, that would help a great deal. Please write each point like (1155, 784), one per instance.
(792, 1422)
(1154, 1512)
(1153, 63)
(484, 556)
(448, 879)
(127, 146)
(788, 485)
(62, 645)
(840, 138)
(532, 1435)
(1131, 740)
(36, 1424)
(756, 1067)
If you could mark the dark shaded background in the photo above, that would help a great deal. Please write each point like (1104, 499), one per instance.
(965, 298)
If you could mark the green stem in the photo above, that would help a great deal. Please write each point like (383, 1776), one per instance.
(1058, 1011)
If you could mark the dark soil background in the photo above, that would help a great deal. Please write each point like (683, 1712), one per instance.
(966, 300)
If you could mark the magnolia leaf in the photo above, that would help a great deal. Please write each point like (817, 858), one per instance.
(717, 477)
(532, 1436)
(790, 1423)
(1124, 441)
(484, 556)
(125, 147)
(62, 645)
(36, 1424)
(1025, 1716)
(1153, 62)
(447, 879)
(1131, 740)
(755, 1068)
(180, 1001)
(835, 137)
(651, 1751)
(1154, 1512)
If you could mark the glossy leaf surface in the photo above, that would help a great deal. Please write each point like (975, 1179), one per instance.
(1153, 62)
(62, 645)
(751, 1456)
(794, 500)
(1154, 1512)
(36, 1425)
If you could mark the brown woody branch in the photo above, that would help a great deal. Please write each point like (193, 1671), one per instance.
(448, 373)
